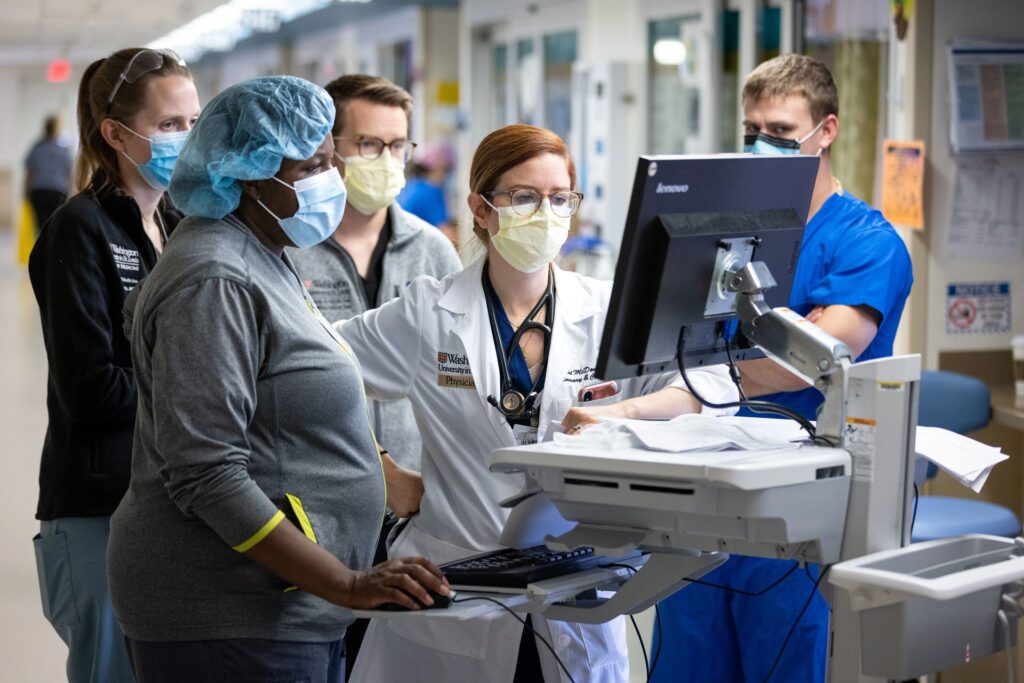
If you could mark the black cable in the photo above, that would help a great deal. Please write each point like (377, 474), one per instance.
(657, 614)
(657, 650)
(525, 625)
(734, 371)
(759, 406)
(740, 591)
(807, 603)
(647, 662)
(913, 515)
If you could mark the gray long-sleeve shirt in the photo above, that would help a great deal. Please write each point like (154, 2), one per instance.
(416, 248)
(245, 398)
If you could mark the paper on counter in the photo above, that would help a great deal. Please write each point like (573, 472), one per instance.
(685, 433)
(966, 460)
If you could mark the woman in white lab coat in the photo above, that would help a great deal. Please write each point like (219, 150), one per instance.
(436, 346)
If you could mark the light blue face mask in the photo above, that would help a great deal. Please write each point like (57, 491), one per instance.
(163, 154)
(769, 145)
(321, 206)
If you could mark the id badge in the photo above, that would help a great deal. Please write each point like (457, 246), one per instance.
(525, 435)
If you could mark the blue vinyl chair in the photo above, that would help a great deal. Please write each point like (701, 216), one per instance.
(960, 404)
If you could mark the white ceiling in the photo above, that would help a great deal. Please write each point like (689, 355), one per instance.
(37, 31)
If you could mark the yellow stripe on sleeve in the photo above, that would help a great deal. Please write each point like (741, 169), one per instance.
(261, 534)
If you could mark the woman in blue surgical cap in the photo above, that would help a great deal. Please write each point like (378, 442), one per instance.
(135, 109)
(257, 486)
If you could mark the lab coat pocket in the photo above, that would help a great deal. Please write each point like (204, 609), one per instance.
(467, 637)
(599, 402)
(53, 565)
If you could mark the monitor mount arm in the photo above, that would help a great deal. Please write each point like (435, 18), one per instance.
(799, 345)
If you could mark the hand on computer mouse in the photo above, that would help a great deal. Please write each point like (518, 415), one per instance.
(440, 602)
(402, 581)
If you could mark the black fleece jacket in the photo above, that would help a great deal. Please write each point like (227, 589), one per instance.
(88, 257)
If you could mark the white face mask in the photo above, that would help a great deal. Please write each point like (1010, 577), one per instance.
(529, 243)
(373, 183)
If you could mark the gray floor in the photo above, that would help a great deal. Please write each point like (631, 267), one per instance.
(29, 649)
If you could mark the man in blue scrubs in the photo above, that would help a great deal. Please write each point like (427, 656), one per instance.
(852, 280)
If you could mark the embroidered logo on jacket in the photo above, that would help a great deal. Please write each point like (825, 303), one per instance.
(453, 371)
(129, 265)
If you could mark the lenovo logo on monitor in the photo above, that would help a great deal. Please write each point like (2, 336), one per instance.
(672, 189)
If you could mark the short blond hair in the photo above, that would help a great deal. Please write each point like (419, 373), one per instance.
(793, 74)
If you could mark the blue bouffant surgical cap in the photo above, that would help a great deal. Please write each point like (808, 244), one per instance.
(243, 134)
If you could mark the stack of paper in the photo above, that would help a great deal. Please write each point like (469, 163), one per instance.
(688, 433)
(966, 460)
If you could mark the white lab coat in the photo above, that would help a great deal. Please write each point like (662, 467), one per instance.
(413, 347)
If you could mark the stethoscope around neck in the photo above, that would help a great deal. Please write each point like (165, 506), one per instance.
(513, 404)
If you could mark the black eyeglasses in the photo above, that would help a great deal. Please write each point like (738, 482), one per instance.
(372, 148)
(525, 202)
(141, 63)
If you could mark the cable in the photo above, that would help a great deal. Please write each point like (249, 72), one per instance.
(647, 664)
(807, 603)
(913, 515)
(525, 625)
(759, 406)
(657, 651)
(740, 591)
(734, 371)
(657, 614)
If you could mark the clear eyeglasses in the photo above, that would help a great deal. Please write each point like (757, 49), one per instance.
(525, 202)
(372, 148)
(141, 63)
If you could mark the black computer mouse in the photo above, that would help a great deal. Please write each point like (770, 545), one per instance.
(440, 602)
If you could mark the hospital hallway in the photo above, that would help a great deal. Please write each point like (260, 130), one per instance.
(30, 650)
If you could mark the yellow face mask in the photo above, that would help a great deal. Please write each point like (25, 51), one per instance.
(530, 243)
(373, 183)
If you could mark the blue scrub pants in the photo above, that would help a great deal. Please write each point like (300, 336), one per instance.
(710, 635)
(71, 561)
(235, 660)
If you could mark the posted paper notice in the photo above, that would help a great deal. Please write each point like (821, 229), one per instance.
(978, 308)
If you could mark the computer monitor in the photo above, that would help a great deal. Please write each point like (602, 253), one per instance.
(692, 218)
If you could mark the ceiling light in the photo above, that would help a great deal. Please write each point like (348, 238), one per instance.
(669, 51)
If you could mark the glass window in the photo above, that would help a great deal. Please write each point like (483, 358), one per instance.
(771, 33)
(394, 63)
(559, 55)
(499, 86)
(851, 38)
(674, 101)
(729, 92)
(526, 84)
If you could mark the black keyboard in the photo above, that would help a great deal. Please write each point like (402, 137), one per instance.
(512, 568)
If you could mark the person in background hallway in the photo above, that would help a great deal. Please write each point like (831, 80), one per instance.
(251, 412)
(47, 173)
(135, 109)
(377, 249)
(423, 195)
(852, 279)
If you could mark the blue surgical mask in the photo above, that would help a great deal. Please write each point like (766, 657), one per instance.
(769, 145)
(163, 154)
(321, 205)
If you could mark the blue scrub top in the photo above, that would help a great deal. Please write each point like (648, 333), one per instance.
(850, 255)
(420, 198)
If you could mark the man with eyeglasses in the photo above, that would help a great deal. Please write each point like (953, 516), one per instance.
(377, 250)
